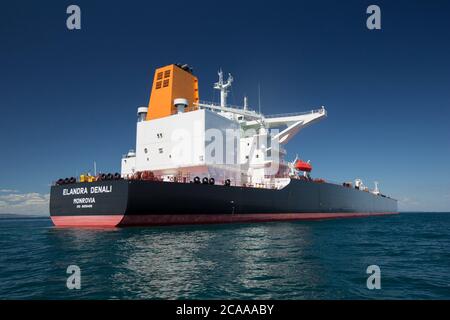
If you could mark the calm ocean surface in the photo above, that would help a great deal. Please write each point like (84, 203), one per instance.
(289, 260)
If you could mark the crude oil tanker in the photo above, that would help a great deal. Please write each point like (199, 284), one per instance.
(199, 162)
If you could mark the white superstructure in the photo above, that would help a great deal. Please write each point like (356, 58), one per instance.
(217, 141)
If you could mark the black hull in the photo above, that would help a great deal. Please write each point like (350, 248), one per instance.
(128, 202)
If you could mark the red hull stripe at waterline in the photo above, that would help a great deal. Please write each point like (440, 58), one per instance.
(174, 219)
(87, 221)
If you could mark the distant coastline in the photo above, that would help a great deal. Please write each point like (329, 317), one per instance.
(22, 216)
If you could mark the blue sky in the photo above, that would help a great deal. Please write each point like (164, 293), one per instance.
(69, 97)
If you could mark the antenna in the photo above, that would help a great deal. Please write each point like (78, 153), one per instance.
(376, 190)
(223, 87)
(259, 98)
(95, 168)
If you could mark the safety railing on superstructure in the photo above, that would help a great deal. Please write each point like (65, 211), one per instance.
(216, 107)
(213, 106)
(205, 104)
(293, 114)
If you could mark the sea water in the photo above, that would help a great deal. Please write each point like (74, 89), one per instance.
(326, 259)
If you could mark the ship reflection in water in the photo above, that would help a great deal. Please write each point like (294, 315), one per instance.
(241, 261)
(272, 260)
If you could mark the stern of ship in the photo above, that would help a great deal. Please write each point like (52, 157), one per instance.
(90, 204)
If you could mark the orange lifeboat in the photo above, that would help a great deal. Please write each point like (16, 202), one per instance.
(303, 166)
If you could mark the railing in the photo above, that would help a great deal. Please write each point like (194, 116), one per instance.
(187, 178)
(205, 104)
(350, 186)
(293, 114)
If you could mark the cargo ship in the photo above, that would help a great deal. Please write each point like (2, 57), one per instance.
(198, 162)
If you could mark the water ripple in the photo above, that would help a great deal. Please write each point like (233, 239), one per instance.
(292, 260)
